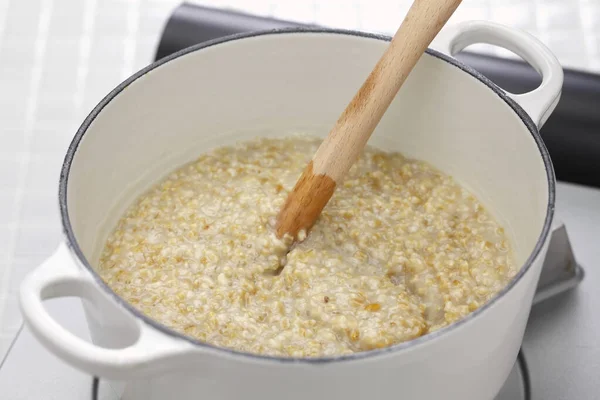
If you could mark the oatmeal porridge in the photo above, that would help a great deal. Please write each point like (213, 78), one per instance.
(399, 251)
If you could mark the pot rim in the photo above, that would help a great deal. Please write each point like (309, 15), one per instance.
(397, 348)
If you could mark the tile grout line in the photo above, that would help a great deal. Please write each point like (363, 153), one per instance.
(84, 53)
(11, 344)
(587, 34)
(133, 19)
(9, 226)
(3, 17)
(40, 49)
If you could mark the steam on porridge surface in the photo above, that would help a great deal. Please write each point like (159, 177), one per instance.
(400, 250)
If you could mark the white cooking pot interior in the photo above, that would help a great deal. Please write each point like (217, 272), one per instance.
(285, 83)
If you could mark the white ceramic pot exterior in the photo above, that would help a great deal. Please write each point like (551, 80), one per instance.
(274, 84)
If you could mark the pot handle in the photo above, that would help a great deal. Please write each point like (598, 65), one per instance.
(59, 276)
(538, 103)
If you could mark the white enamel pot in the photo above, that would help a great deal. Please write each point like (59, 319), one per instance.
(278, 83)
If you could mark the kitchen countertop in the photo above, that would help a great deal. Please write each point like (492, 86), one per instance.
(58, 58)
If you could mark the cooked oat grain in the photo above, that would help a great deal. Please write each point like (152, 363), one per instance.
(400, 250)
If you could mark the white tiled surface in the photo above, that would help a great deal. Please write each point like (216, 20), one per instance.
(59, 57)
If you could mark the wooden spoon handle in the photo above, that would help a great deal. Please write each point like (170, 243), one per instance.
(340, 150)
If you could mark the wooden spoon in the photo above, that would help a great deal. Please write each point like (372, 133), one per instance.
(340, 150)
